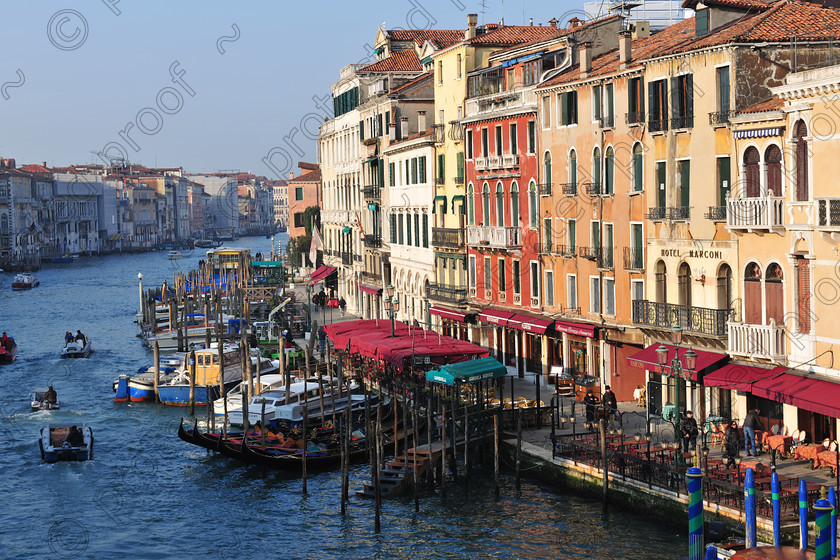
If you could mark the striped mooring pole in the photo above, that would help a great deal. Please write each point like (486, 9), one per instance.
(803, 515)
(749, 507)
(823, 510)
(695, 513)
(832, 499)
(775, 492)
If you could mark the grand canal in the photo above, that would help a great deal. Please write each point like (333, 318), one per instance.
(146, 494)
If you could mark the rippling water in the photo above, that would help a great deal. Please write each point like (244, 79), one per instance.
(146, 494)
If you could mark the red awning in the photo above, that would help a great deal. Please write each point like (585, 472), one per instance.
(738, 377)
(529, 323)
(817, 395)
(646, 359)
(577, 329)
(495, 316)
(321, 272)
(369, 289)
(445, 313)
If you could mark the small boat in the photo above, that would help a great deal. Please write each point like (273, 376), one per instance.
(8, 351)
(77, 348)
(174, 255)
(206, 244)
(24, 281)
(66, 443)
(234, 396)
(38, 401)
(64, 259)
(140, 387)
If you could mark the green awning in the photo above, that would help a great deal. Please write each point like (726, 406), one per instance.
(346, 230)
(267, 264)
(471, 371)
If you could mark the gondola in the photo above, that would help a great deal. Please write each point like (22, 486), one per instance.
(292, 460)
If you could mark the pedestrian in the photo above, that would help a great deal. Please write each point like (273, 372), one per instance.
(751, 423)
(322, 337)
(688, 431)
(342, 305)
(731, 447)
(610, 405)
(591, 402)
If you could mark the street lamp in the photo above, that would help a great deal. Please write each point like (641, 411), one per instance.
(308, 281)
(392, 305)
(679, 374)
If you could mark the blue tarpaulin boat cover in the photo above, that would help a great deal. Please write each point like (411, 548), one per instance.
(470, 371)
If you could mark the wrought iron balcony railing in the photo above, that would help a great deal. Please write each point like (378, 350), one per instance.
(545, 189)
(719, 118)
(634, 117)
(634, 258)
(716, 213)
(452, 238)
(700, 320)
(447, 293)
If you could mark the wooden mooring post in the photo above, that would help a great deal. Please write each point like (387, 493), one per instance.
(496, 452)
(376, 482)
(303, 451)
(157, 371)
(443, 452)
(518, 445)
(604, 466)
(191, 360)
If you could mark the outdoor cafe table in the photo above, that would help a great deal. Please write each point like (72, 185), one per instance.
(826, 459)
(808, 451)
(780, 443)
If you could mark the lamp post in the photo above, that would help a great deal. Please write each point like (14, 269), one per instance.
(392, 306)
(140, 278)
(308, 281)
(678, 373)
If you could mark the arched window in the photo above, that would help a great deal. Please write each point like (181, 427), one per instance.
(532, 203)
(471, 204)
(752, 294)
(774, 294)
(547, 167)
(500, 204)
(4, 223)
(661, 282)
(596, 167)
(684, 288)
(485, 206)
(609, 172)
(773, 159)
(724, 287)
(638, 169)
(573, 169)
(800, 132)
(514, 204)
(752, 173)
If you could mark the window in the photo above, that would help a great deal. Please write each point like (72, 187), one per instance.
(547, 167)
(638, 169)
(595, 295)
(571, 291)
(658, 102)
(635, 101)
(568, 102)
(723, 179)
(298, 193)
(549, 288)
(637, 248)
(595, 235)
(547, 236)
(441, 167)
(502, 279)
(498, 140)
(532, 203)
(573, 170)
(440, 72)
(485, 206)
(722, 82)
(500, 205)
(684, 284)
(637, 290)
(459, 165)
(516, 278)
(393, 220)
(609, 172)
(682, 101)
(299, 219)
(596, 103)
(607, 260)
(414, 171)
(660, 181)
(469, 144)
(458, 72)
(802, 151)
(596, 167)
(510, 80)
(532, 72)
(609, 296)
(391, 174)
(407, 171)
(417, 230)
(774, 306)
(485, 143)
(408, 229)
(752, 172)
(661, 282)
(803, 294)
(752, 294)
(684, 179)
(773, 160)
(609, 106)
(572, 234)
(535, 281)
(472, 271)
(514, 204)
(400, 230)
(470, 205)
(425, 230)
(514, 144)
(532, 137)
(546, 112)
(488, 274)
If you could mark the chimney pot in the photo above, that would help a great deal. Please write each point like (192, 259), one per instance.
(291, 175)
(625, 41)
(531, 22)
(421, 121)
(403, 127)
(553, 22)
(392, 131)
(585, 55)
(472, 22)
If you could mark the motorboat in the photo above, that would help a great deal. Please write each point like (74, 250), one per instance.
(140, 387)
(63, 442)
(268, 382)
(77, 348)
(206, 244)
(174, 255)
(64, 259)
(38, 401)
(8, 351)
(281, 411)
(24, 281)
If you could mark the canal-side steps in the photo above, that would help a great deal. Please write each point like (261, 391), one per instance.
(397, 476)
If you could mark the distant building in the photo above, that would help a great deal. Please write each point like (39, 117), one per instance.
(304, 191)
(223, 210)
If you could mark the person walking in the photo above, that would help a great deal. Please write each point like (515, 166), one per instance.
(591, 402)
(751, 424)
(731, 447)
(610, 405)
(342, 305)
(688, 431)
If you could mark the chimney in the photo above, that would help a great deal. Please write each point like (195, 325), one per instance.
(585, 58)
(531, 22)
(472, 22)
(575, 22)
(625, 39)
(640, 29)
(43, 164)
(291, 175)
(421, 121)
(392, 131)
(553, 22)
(404, 127)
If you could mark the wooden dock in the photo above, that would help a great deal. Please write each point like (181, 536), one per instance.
(399, 473)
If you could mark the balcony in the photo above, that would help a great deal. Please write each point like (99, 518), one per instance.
(828, 213)
(757, 341)
(501, 101)
(608, 121)
(592, 188)
(446, 293)
(440, 180)
(494, 237)
(569, 189)
(458, 179)
(763, 213)
(567, 251)
(371, 192)
(371, 278)
(510, 161)
(373, 241)
(601, 256)
(682, 121)
(700, 320)
(545, 189)
(716, 213)
(440, 133)
(634, 118)
(659, 213)
(480, 164)
(658, 123)
(546, 247)
(721, 118)
(452, 238)
(634, 258)
(494, 162)
(456, 131)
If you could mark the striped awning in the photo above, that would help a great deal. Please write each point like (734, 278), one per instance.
(759, 132)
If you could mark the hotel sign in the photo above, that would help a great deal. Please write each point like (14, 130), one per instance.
(693, 253)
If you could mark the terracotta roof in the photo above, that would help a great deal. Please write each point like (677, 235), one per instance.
(412, 82)
(397, 61)
(415, 136)
(311, 177)
(772, 104)
(35, 168)
(440, 37)
(513, 35)
(759, 5)
(559, 32)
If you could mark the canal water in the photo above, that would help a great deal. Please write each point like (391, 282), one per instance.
(146, 494)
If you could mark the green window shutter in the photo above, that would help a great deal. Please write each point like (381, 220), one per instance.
(414, 171)
(610, 189)
(391, 171)
(387, 122)
(408, 229)
(378, 125)
(685, 177)
(417, 230)
(660, 185)
(393, 228)
(572, 234)
(573, 116)
(638, 172)
(407, 172)
(422, 169)
(441, 171)
(461, 165)
(596, 102)
(362, 129)
(564, 108)
(381, 175)
(725, 182)
(425, 230)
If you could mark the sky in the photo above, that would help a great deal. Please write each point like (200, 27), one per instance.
(206, 86)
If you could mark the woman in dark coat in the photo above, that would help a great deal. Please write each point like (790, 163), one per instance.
(731, 444)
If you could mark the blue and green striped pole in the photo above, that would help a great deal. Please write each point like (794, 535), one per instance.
(749, 507)
(822, 547)
(695, 513)
(832, 499)
(775, 491)
(803, 515)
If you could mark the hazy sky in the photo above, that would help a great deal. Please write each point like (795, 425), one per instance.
(205, 85)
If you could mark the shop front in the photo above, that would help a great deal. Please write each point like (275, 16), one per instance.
(452, 322)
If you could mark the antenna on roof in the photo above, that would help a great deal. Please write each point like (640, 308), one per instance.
(483, 9)
(623, 8)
